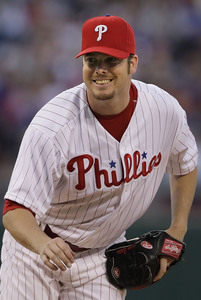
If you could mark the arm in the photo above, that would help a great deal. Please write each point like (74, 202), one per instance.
(23, 227)
(182, 193)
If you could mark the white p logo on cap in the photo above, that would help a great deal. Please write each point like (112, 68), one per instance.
(100, 29)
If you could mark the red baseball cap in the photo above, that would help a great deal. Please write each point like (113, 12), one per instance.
(108, 34)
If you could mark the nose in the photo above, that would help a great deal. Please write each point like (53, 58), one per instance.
(101, 68)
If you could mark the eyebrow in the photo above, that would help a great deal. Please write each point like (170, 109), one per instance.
(91, 53)
(95, 53)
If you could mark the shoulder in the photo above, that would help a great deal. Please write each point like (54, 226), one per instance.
(151, 93)
(159, 105)
(148, 88)
(61, 110)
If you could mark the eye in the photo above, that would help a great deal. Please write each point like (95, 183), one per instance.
(91, 61)
(113, 61)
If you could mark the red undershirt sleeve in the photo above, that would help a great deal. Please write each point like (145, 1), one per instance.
(11, 205)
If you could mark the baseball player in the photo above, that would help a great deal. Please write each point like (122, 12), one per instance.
(89, 166)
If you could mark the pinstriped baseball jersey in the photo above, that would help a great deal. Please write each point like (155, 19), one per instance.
(85, 184)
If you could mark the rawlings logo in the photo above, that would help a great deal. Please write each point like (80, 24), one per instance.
(172, 248)
(146, 245)
(116, 272)
(134, 168)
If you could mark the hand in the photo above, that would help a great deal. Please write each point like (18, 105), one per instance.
(165, 261)
(57, 254)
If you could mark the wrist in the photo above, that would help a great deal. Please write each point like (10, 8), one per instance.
(177, 231)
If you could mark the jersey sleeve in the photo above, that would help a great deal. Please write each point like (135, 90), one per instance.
(184, 155)
(36, 172)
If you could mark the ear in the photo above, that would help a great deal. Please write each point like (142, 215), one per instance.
(133, 64)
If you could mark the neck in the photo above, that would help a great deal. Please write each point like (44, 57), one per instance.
(112, 106)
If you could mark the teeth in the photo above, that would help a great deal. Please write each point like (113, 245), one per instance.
(105, 81)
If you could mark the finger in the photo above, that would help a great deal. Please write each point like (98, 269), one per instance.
(53, 261)
(163, 269)
(59, 263)
(59, 253)
(48, 263)
(66, 254)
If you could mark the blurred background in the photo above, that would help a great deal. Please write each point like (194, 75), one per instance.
(38, 43)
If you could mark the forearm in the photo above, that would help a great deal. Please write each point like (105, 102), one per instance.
(24, 228)
(55, 253)
(182, 194)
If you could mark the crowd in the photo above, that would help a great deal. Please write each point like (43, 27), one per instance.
(39, 40)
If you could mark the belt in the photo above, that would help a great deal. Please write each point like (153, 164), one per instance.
(53, 235)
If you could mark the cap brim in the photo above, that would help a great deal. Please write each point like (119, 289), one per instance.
(110, 51)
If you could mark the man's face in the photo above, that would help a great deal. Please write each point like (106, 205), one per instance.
(106, 76)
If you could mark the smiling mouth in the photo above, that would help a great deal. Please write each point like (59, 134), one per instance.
(103, 81)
